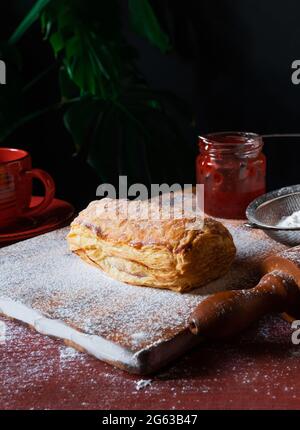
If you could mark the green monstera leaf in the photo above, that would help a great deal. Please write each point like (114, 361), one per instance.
(145, 23)
(126, 137)
(32, 16)
(118, 124)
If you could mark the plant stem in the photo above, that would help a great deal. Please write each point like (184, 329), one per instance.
(132, 117)
(28, 20)
(25, 119)
(37, 78)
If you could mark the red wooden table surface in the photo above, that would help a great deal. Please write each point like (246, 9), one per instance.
(260, 370)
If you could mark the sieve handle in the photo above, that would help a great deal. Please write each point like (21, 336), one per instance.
(252, 224)
(272, 136)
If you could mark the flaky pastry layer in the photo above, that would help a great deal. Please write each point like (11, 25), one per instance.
(160, 253)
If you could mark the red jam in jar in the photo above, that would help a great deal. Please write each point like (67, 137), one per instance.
(232, 168)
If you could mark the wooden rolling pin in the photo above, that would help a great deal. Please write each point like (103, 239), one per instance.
(227, 313)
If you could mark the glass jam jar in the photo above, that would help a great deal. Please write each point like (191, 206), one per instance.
(232, 168)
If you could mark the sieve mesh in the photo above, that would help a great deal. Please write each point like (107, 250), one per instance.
(266, 211)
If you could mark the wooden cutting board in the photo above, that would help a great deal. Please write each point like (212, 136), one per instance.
(134, 328)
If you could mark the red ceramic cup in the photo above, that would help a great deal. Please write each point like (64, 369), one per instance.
(16, 177)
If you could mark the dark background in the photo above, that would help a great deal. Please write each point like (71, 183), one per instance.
(231, 62)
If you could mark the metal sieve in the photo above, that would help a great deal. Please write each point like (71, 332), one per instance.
(267, 210)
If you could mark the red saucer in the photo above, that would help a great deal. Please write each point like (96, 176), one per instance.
(57, 215)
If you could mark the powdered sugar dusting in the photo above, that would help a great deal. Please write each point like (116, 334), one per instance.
(256, 370)
(67, 354)
(43, 275)
(292, 254)
(142, 383)
(291, 221)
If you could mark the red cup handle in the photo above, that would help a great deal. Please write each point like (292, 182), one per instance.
(49, 185)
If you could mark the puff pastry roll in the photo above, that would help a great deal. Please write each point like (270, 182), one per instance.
(160, 253)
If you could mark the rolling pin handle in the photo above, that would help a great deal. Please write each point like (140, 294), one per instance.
(227, 313)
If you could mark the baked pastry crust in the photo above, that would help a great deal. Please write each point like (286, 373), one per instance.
(177, 253)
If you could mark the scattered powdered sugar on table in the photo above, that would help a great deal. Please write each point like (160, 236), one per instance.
(3, 334)
(42, 274)
(142, 383)
(67, 353)
(257, 369)
(40, 369)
